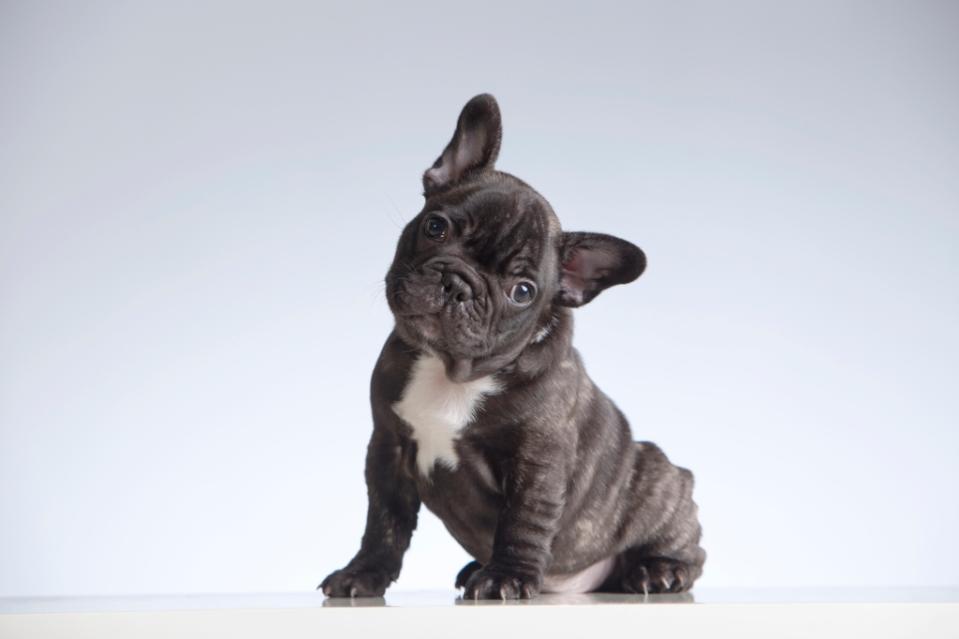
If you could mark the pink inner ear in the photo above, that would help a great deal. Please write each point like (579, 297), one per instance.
(438, 175)
(583, 271)
(572, 279)
(572, 264)
(587, 265)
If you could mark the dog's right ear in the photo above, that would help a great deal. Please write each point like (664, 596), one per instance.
(592, 262)
(474, 146)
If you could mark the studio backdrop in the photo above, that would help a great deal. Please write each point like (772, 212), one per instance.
(199, 202)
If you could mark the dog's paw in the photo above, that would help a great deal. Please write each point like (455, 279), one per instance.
(658, 575)
(495, 583)
(465, 573)
(355, 583)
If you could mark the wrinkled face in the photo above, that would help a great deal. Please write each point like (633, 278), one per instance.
(479, 271)
(474, 272)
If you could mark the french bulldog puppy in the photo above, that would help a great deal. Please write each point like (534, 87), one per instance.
(483, 411)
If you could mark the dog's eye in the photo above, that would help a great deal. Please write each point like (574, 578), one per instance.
(522, 293)
(436, 228)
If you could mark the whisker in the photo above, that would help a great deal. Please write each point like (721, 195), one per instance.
(398, 219)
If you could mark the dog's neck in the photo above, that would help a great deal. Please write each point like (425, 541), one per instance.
(549, 345)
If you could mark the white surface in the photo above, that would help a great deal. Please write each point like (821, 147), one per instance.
(446, 598)
(199, 200)
(715, 613)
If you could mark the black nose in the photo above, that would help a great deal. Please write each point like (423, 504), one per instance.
(456, 287)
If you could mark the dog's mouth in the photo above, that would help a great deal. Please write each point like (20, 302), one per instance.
(440, 312)
(450, 325)
(414, 302)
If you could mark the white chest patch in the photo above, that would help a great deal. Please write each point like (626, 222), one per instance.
(438, 409)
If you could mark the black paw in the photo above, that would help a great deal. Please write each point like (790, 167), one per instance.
(355, 583)
(463, 575)
(658, 575)
(494, 583)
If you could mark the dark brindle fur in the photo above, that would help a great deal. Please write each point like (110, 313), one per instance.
(547, 480)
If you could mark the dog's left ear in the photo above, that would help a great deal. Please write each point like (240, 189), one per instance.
(474, 146)
(592, 262)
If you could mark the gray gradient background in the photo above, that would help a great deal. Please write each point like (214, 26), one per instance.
(198, 202)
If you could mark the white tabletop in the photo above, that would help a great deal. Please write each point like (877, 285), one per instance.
(820, 612)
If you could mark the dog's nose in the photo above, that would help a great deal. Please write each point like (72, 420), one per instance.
(456, 287)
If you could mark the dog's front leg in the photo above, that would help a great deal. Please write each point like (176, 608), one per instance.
(534, 498)
(390, 521)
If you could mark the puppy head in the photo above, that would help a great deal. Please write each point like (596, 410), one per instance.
(480, 270)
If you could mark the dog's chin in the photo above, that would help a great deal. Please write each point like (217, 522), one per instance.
(422, 331)
(427, 332)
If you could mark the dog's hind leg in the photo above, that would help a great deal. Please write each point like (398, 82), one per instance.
(645, 571)
(667, 556)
